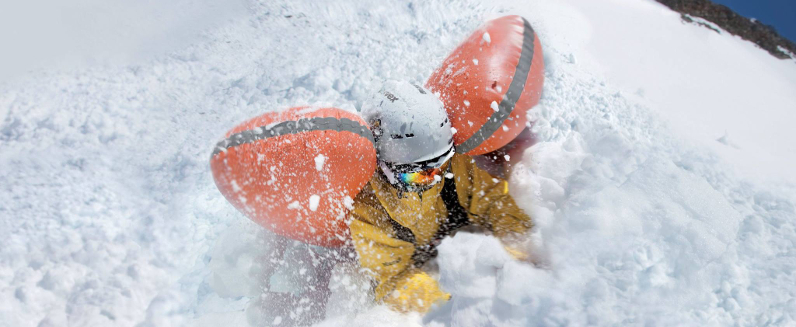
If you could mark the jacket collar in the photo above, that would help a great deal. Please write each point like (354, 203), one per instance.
(408, 208)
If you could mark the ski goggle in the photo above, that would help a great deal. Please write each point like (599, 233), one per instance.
(418, 174)
(423, 177)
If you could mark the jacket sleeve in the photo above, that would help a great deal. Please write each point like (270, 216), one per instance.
(389, 259)
(488, 201)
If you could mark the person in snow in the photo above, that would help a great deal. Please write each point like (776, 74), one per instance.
(422, 191)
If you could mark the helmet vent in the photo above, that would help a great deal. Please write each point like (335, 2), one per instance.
(399, 136)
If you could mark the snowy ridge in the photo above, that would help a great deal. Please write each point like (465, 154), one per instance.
(109, 216)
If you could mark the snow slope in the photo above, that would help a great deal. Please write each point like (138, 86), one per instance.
(109, 216)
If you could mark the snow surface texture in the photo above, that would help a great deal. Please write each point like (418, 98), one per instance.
(644, 215)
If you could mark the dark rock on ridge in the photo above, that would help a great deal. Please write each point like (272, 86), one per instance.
(763, 35)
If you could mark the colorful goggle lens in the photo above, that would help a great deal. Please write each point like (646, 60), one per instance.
(423, 177)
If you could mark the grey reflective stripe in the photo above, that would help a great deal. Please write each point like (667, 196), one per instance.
(513, 94)
(293, 127)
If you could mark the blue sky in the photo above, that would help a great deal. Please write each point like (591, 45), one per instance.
(778, 13)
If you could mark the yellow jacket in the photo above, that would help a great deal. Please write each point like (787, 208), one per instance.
(394, 235)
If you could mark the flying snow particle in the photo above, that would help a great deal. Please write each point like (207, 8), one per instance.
(486, 38)
(294, 205)
(348, 202)
(319, 161)
(507, 157)
(494, 106)
(475, 61)
(466, 103)
(314, 201)
(449, 175)
(505, 128)
(235, 187)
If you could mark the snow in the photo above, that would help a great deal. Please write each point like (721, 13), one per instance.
(660, 186)
(701, 82)
(315, 200)
(319, 161)
(50, 34)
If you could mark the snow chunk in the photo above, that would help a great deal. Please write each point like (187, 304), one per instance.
(487, 38)
(294, 205)
(475, 61)
(466, 103)
(348, 202)
(494, 106)
(319, 161)
(315, 200)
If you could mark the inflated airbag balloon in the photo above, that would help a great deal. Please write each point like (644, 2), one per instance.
(296, 172)
(489, 82)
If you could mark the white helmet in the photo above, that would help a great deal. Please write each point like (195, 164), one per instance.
(409, 123)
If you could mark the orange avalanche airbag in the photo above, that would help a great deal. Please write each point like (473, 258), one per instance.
(489, 82)
(296, 172)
